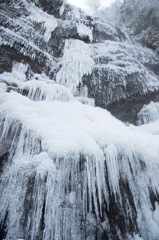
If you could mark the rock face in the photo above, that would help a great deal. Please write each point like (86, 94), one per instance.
(69, 170)
(142, 19)
(119, 73)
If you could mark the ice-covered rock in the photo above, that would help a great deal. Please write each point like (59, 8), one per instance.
(69, 169)
(141, 18)
(149, 113)
(67, 165)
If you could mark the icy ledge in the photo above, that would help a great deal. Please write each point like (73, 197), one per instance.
(67, 164)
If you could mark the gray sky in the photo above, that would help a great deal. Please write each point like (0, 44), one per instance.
(81, 3)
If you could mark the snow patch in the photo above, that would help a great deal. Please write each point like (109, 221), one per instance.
(85, 31)
(149, 113)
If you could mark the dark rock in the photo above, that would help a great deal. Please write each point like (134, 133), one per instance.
(49, 6)
(10, 55)
(127, 109)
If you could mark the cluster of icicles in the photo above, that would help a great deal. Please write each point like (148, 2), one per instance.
(48, 194)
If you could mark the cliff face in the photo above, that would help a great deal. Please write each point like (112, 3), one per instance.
(68, 169)
(142, 20)
(47, 43)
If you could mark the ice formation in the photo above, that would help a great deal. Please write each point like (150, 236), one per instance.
(39, 16)
(76, 62)
(69, 169)
(149, 113)
(85, 31)
(64, 161)
(116, 60)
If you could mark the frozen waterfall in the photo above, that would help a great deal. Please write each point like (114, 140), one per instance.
(69, 169)
(73, 171)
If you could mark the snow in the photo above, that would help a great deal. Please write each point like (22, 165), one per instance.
(149, 113)
(62, 8)
(74, 127)
(137, 237)
(148, 118)
(3, 87)
(107, 27)
(58, 133)
(152, 127)
(85, 31)
(86, 100)
(17, 75)
(123, 66)
(61, 113)
(39, 90)
(39, 16)
(120, 62)
(67, 158)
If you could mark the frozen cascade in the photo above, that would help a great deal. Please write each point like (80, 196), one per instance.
(65, 163)
(68, 169)
(76, 62)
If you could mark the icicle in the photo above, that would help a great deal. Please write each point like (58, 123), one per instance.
(66, 161)
(111, 154)
(38, 91)
(75, 64)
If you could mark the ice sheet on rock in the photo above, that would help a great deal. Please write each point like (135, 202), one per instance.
(26, 48)
(39, 16)
(75, 13)
(122, 64)
(18, 73)
(62, 8)
(23, 168)
(85, 31)
(67, 160)
(111, 153)
(149, 113)
(24, 27)
(15, 78)
(107, 27)
(116, 51)
(58, 144)
(90, 125)
(76, 63)
(40, 90)
(42, 77)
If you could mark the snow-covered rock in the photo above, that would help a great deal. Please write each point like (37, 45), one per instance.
(68, 168)
(149, 113)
